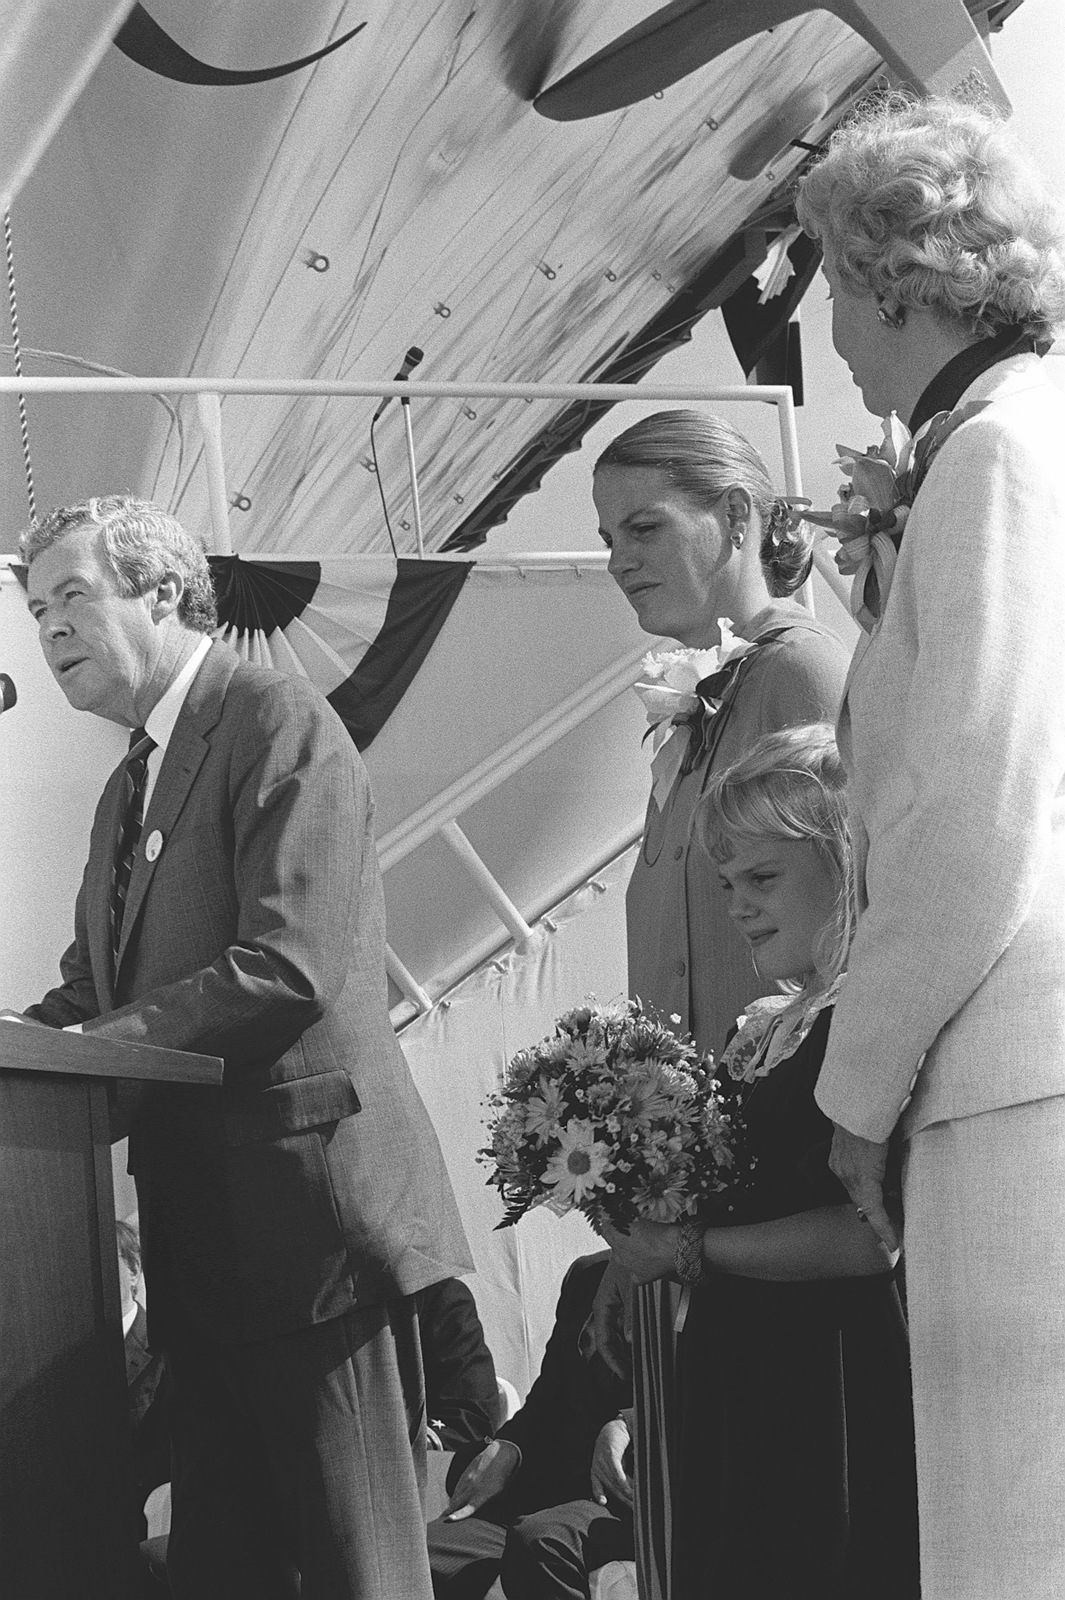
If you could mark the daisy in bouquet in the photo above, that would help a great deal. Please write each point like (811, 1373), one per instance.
(614, 1116)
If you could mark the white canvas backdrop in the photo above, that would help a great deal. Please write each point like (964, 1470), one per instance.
(457, 1052)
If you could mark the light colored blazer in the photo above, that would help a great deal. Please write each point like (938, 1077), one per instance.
(313, 1180)
(953, 730)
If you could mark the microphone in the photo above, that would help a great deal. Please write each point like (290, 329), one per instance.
(410, 361)
(8, 696)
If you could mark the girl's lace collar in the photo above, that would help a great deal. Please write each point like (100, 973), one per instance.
(771, 1030)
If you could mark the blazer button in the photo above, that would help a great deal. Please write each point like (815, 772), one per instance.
(678, 852)
(682, 967)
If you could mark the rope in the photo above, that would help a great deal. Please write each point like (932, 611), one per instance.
(23, 420)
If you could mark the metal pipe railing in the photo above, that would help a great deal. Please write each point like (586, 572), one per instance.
(445, 982)
(209, 407)
(481, 780)
(407, 983)
(825, 565)
(490, 887)
(414, 389)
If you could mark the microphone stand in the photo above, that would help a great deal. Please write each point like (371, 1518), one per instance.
(405, 403)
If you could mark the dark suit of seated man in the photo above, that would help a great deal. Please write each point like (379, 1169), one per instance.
(547, 1500)
(461, 1393)
(147, 1382)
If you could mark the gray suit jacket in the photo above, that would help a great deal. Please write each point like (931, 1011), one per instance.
(953, 730)
(313, 1181)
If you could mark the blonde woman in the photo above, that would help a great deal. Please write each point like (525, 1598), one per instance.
(946, 266)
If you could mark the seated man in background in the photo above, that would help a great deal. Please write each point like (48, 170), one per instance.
(549, 1499)
(461, 1393)
(460, 1376)
(146, 1379)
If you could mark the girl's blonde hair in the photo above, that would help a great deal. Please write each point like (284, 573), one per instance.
(790, 785)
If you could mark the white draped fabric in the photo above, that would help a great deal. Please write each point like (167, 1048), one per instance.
(50, 52)
(456, 1053)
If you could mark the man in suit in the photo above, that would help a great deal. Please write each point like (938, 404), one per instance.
(232, 905)
(549, 1499)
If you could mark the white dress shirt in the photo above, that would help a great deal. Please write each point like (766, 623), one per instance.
(164, 714)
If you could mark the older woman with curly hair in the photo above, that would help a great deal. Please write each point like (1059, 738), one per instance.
(946, 265)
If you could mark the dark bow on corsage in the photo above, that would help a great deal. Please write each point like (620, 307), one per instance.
(681, 691)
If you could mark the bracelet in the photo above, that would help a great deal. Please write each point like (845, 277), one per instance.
(688, 1261)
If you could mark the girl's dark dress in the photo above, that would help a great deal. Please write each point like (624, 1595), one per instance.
(794, 1477)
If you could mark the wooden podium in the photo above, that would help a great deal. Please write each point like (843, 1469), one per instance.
(66, 1531)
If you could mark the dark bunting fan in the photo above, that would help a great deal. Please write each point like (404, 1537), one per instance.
(359, 627)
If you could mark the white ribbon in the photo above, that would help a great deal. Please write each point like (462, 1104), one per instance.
(874, 553)
(668, 760)
(776, 271)
(680, 1316)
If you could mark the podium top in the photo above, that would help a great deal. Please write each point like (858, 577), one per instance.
(29, 1047)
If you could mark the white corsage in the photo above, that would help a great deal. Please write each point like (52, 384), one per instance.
(667, 686)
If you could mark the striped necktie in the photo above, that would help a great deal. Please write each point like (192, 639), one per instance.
(141, 746)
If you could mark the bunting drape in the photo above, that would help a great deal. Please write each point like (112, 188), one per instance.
(358, 627)
(359, 630)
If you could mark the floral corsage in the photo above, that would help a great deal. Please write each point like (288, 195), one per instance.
(870, 515)
(614, 1116)
(681, 689)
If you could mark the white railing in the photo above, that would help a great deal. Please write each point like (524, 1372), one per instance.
(208, 391)
(440, 815)
(503, 763)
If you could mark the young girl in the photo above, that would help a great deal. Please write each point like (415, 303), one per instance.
(775, 1440)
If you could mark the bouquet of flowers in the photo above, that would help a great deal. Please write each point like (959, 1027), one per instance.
(614, 1116)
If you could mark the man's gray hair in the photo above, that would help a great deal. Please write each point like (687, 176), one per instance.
(143, 543)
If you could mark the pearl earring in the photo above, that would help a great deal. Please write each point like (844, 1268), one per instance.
(890, 319)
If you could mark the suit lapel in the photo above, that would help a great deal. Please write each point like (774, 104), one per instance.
(185, 754)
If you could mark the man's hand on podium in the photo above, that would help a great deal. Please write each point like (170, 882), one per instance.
(32, 1022)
